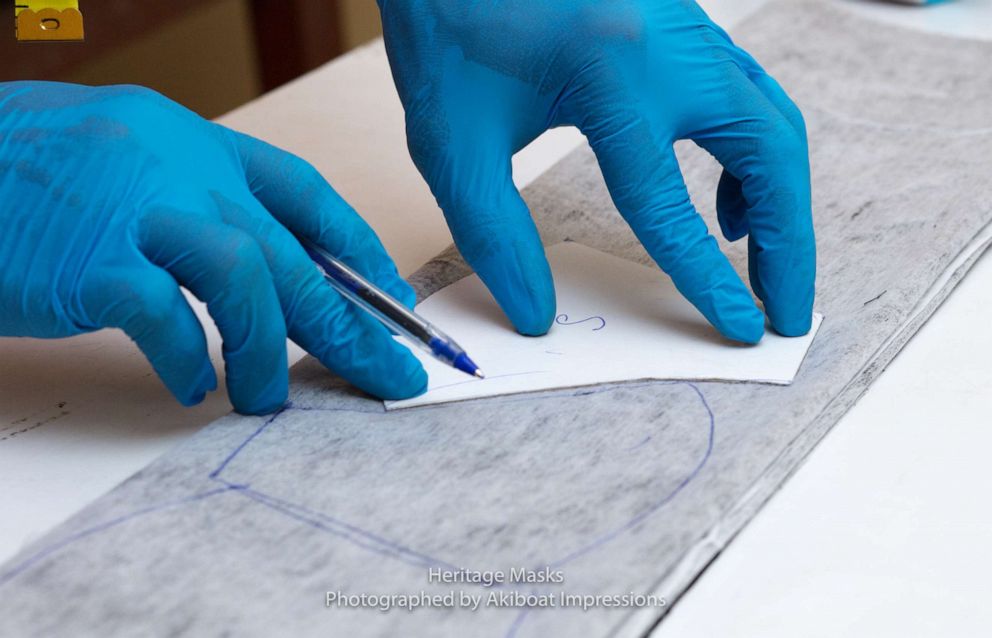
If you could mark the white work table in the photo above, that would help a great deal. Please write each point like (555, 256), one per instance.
(884, 530)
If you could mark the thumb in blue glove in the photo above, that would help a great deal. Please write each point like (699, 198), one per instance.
(114, 197)
(481, 80)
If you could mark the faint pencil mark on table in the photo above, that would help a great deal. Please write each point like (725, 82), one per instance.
(32, 422)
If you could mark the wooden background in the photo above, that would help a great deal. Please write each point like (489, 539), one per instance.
(282, 39)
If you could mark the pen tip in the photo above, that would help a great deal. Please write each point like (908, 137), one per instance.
(479, 374)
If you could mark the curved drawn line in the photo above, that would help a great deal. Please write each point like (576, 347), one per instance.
(562, 320)
(595, 544)
(385, 547)
(374, 543)
(48, 550)
(606, 538)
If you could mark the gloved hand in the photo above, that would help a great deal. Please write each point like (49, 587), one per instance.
(481, 80)
(110, 198)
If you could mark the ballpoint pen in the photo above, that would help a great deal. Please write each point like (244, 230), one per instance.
(391, 312)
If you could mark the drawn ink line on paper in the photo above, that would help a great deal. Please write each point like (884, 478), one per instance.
(489, 378)
(354, 534)
(45, 552)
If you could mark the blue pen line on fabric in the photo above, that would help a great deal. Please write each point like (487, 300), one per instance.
(391, 312)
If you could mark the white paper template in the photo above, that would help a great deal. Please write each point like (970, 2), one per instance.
(617, 321)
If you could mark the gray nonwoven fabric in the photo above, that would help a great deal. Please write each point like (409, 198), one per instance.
(623, 489)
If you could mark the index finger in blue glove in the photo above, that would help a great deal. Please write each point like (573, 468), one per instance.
(345, 338)
(494, 231)
(299, 198)
(470, 174)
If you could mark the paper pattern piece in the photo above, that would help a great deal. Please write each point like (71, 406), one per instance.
(631, 487)
(617, 321)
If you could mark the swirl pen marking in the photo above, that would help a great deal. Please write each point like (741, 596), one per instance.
(562, 320)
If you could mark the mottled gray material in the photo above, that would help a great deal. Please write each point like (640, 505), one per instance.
(632, 487)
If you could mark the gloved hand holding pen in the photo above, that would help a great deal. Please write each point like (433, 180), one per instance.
(481, 80)
(113, 197)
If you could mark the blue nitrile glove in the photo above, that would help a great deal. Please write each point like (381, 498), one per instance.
(480, 80)
(111, 198)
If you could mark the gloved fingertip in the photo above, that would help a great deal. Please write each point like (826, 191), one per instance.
(265, 400)
(190, 392)
(534, 321)
(523, 287)
(791, 324)
(260, 406)
(207, 379)
(411, 383)
(398, 375)
(529, 305)
(744, 327)
(719, 294)
(789, 298)
(191, 400)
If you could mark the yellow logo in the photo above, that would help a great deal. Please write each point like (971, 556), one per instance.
(48, 20)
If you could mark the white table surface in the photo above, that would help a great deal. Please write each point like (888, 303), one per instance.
(884, 531)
